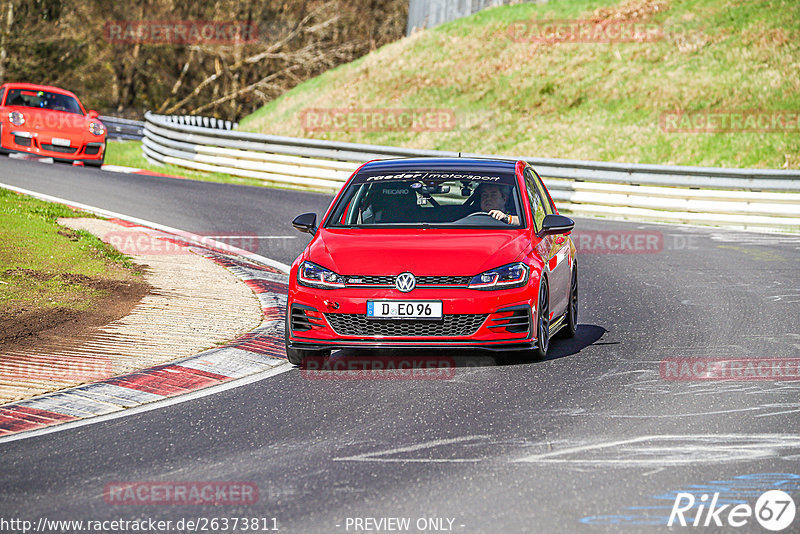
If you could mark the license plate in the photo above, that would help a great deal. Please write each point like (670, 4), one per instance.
(404, 309)
(59, 141)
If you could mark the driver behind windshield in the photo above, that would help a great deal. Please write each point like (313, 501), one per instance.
(494, 198)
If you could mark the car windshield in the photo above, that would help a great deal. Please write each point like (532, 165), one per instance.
(42, 99)
(430, 199)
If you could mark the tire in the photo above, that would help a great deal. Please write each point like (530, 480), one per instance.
(542, 321)
(95, 162)
(571, 327)
(296, 356)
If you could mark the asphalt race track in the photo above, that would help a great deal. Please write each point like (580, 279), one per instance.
(596, 438)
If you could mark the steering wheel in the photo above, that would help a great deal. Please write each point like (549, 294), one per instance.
(478, 213)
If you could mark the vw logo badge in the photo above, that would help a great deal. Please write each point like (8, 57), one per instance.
(405, 282)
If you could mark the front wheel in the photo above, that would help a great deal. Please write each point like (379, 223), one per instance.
(296, 356)
(542, 321)
(95, 162)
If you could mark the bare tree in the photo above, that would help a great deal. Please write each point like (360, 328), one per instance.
(6, 21)
(66, 42)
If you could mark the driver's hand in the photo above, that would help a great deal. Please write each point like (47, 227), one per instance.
(500, 216)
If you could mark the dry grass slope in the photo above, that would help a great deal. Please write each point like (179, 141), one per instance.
(512, 94)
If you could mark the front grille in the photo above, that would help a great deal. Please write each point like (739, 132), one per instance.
(351, 324)
(91, 150)
(56, 148)
(22, 141)
(388, 281)
(443, 280)
(369, 280)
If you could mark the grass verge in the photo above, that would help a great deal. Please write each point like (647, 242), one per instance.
(47, 267)
(129, 154)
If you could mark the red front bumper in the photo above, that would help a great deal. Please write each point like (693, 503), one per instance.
(500, 320)
(40, 143)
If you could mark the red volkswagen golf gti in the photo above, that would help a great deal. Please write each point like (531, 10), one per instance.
(434, 253)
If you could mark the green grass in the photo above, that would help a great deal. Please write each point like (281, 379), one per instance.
(576, 100)
(42, 263)
(129, 154)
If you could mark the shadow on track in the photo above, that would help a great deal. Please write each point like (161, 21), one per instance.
(367, 360)
(586, 335)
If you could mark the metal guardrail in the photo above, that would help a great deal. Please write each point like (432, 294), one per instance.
(118, 128)
(204, 122)
(760, 198)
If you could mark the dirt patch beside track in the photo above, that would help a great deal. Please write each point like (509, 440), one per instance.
(185, 304)
(20, 327)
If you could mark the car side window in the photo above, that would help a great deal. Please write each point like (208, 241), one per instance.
(548, 206)
(2, 94)
(535, 198)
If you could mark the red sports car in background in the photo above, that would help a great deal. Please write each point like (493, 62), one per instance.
(443, 253)
(49, 122)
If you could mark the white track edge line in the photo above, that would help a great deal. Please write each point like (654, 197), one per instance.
(152, 405)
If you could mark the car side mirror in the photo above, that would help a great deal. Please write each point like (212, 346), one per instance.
(556, 224)
(92, 114)
(306, 222)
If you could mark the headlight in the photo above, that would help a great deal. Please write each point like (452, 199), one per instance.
(97, 128)
(511, 275)
(16, 118)
(312, 275)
